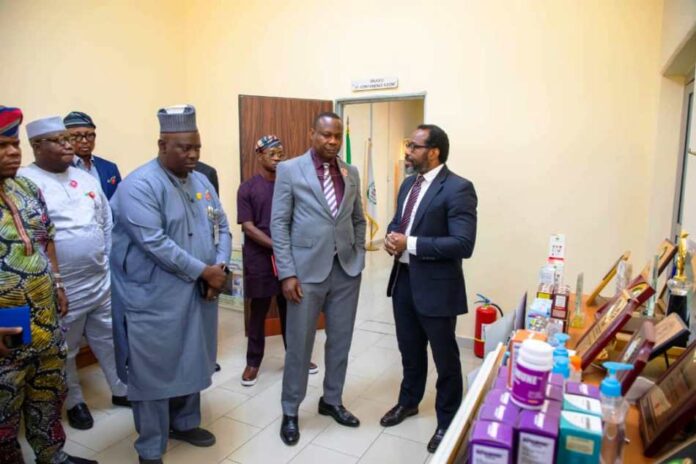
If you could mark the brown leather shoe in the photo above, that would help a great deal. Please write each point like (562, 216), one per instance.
(250, 376)
(313, 368)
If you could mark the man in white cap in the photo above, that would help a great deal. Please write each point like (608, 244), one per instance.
(171, 246)
(82, 217)
(32, 374)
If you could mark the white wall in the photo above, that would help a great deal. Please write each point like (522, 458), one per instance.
(551, 105)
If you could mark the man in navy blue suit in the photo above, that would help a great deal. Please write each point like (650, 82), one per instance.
(82, 137)
(433, 229)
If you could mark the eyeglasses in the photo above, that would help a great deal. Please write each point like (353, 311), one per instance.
(89, 137)
(61, 140)
(410, 146)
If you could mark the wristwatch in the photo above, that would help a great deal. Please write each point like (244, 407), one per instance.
(59, 286)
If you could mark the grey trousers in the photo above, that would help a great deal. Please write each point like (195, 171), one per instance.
(154, 419)
(337, 296)
(95, 324)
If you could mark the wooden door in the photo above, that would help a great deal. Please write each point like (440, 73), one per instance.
(288, 118)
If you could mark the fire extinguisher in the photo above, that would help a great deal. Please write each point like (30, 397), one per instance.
(485, 314)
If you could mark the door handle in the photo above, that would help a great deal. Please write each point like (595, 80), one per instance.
(692, 152)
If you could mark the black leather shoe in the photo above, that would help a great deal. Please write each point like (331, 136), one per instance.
(120, 401)
(196, 437)
(436, 439)
(290, 430)
(79, 417)
(150, 461)
(396, 415)
(76, 460)
(339, 413)
(217, 367)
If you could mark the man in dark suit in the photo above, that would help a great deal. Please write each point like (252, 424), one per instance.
(82, 137)
(434, 228)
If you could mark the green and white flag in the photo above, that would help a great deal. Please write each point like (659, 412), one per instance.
(371, 195)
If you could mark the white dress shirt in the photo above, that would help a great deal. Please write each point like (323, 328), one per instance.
(428, 178)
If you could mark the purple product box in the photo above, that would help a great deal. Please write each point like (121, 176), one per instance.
(506, 414)
(491, 442)
(556, 379)
(551, 408)
(538, 434)
(582, 389)
(500, 383)
(554, 393)
(498, 396)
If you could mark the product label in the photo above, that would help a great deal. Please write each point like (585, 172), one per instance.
(583, 403)
(481, 454)
(534, 449)
(592, 424)
(579, 445)
(528, 386)
(499, 411)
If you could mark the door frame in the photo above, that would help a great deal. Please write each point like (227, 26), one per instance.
(688, 103)
(340, 103)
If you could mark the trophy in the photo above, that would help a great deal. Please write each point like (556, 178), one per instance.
(678, 285)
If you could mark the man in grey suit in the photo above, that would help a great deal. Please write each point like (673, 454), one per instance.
(318, 231)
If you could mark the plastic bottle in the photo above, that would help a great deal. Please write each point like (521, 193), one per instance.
(562, 367)
(575, 369)
(614, 408)
(561, 350)
(531, 373)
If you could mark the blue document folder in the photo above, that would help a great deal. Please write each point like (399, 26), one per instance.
(17, 317)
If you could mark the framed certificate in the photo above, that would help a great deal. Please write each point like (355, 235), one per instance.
(670, 404)
(616, 314)
(637, 352)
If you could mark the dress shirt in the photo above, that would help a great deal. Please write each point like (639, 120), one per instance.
(80, 164)
(336, 176)
(411, 242)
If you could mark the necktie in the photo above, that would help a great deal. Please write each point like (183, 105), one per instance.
(329, 191)
(410, 203)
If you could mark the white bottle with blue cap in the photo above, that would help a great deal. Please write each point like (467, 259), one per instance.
(614, 408)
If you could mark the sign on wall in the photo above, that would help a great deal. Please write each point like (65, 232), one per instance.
(375, 83)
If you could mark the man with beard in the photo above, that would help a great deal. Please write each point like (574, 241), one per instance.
(82, 217)
(261, 284)
(434, 228)
(171, 247)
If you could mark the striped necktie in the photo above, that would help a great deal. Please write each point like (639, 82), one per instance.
(329, 191)
(410, 203)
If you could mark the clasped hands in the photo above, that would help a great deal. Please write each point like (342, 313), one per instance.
(216, 277)
(395, 243)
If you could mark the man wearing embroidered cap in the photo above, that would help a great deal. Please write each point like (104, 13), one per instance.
(32, 379)
(82, 217)
(82, 137)
(254, 199)
(171, 246)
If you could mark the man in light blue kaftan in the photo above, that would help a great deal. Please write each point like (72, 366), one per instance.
(171, 243)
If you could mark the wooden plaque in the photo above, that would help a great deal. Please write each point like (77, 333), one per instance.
(635, 291)
(606, 326)
(607, 278)
(637, 352)
(670, 404)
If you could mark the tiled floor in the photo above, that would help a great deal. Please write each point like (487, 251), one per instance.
(246, 420)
